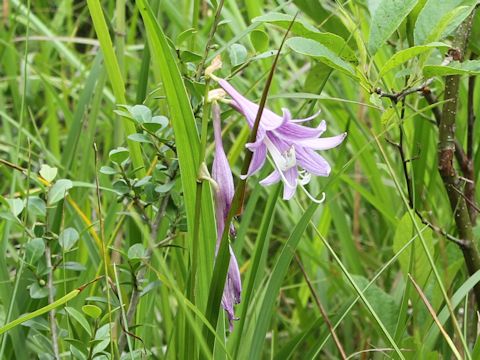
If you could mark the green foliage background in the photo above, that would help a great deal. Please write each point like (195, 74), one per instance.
(101, 108)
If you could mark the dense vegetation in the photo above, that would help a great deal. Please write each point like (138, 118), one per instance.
(117, 207)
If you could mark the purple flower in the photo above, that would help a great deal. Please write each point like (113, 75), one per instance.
(291, 146)
(224, 191)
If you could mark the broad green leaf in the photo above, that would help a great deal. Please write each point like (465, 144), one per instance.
(141, 113)
(237, 54)
(34, 250)
(36, 206)
(59, 190)
(93, 311)
(404, 233)
(184, 36)
(388, 16)
(48, 173)
(68, 238)
(79, 318)
(107, 170)
(118, 155)
(37, 291)
(438, 18)
(259, 39)
(136, 251)
(300, 28)
(383, 303)
(16, 205)
(403, 56)
(319, 52)
(468, 67)
(156, 123)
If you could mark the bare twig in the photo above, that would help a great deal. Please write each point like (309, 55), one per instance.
(470, 170)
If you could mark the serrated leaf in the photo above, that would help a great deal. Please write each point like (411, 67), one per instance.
(118, 155)
(468, 67)
(321, 53)
(79, 318)
(92, 310)
(48, 173)
(388, 16)
(59, 190)
(403, 56)
(237, 54)
(438, 18)
(68, 238)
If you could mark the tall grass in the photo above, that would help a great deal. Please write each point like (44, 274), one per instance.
(108, 237)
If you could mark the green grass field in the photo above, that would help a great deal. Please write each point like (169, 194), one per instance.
(109, 239)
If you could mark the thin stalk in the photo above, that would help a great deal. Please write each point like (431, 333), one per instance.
(223, 257)
(51, 299)
(120, 51)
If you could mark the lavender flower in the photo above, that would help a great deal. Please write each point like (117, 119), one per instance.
(222, 175)
(291, 146)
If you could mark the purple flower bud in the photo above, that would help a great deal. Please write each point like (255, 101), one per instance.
(222, 175)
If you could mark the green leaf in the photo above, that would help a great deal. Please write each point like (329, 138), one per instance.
(37, 291)
(388, 16)
(68, 238)
(237, 54)
(164, 188)
(259, 39)
(468, 67)
(141, 138)
(403, 56)
(383, 303)
(48, 173)
(118, 155)
(303, 29)
(418, 265)
(316, 50)
(93, 311)
(59, 190)
(156, 123)
(136, 252)
(78, 316)
(16, 205)
(439, 18)
(36, 206)
(34, 250)
(185, 35)
(107, 170)
(141, 113)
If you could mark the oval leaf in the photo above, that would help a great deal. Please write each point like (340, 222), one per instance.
(58, 191)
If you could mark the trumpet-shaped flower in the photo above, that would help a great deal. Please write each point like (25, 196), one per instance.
(224, 192)
(291, 146)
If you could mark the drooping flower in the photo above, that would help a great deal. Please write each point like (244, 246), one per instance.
(224, 192)
(291, 146)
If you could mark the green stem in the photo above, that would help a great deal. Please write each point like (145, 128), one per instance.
(223, 257)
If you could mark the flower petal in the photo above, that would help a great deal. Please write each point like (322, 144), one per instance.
(292, 131)
(291, 176)
(271, 179)
(249, 109)
(323, 143)
(258, 159)
(312, 162)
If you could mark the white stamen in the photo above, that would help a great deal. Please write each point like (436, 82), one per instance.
(311, 197)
